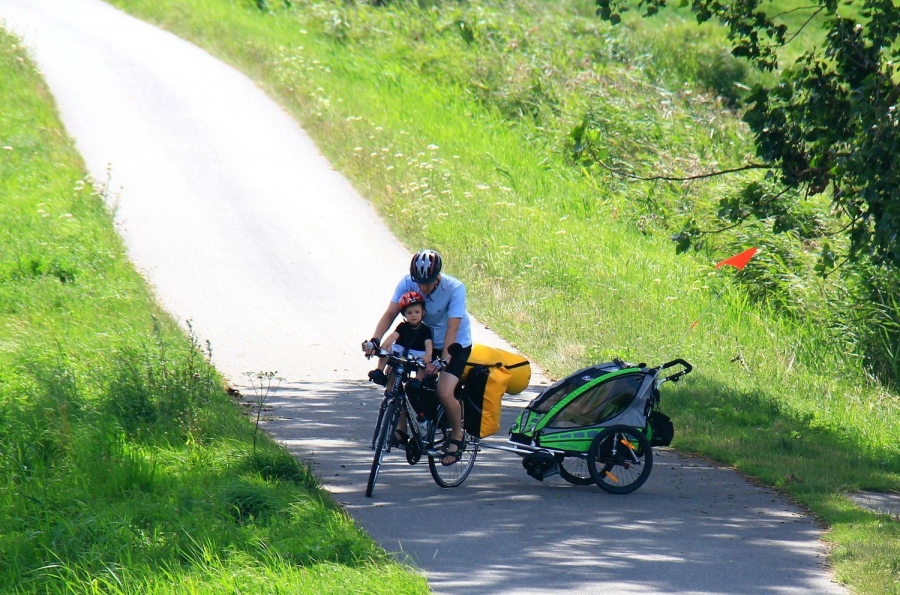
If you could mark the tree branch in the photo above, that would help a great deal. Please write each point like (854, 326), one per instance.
(836, 267)
(817, 8)
(836, 232)
(624, 174)
(803, 26)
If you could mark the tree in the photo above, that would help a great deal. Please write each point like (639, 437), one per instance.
(830, 124)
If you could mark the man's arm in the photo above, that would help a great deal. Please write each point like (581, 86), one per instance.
(450, 336)
(386, 320)
(449, 339)
(383, 325)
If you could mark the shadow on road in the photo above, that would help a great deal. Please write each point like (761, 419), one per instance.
(692, 528)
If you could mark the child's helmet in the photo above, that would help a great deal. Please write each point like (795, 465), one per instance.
(409, 298)
(425, 266)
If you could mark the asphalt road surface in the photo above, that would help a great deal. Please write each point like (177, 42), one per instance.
(242, 227)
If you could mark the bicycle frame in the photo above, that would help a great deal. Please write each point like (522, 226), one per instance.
(396, 403)
(395, 391)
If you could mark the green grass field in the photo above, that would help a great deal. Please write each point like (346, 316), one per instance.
(456, 121)
(124, 465)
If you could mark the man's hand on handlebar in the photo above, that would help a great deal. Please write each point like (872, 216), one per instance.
(371, 346)
(435, 366)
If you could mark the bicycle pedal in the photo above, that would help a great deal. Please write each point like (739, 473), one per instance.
(398, 442)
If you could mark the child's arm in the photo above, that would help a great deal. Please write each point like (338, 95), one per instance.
(389, 342)
(429, 348)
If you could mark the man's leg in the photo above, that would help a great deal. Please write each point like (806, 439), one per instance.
(445, 389)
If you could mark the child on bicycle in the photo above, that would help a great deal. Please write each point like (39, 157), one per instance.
(412, 336)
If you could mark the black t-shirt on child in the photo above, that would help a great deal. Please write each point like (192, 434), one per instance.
(412, 338)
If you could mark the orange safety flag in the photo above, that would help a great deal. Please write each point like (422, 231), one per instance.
(738, 261)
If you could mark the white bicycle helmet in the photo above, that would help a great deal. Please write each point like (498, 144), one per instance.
(425, 266)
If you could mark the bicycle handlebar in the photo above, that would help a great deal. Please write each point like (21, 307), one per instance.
(675, 362)
(414, 362)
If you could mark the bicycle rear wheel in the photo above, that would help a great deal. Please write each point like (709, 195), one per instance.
(620, 459)
(384, 433)
(451, 475)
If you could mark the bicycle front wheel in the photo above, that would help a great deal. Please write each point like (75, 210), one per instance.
(449, 476)
(382, 436)
(620, 459)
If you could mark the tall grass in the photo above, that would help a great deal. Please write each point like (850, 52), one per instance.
(124, 465)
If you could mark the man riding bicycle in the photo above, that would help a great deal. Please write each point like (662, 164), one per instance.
(446, 315)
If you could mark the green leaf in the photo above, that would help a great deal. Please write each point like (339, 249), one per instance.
(682, 242)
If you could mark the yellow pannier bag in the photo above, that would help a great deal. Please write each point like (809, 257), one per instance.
(518, 367)
(483, 390)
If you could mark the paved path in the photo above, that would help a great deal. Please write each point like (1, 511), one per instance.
(692, 528)
(242, 227)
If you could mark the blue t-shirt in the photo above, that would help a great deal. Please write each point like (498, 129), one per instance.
(448, 300)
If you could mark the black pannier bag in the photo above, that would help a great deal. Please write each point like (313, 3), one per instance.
(661, 429)
(473, 398)
(423, 397)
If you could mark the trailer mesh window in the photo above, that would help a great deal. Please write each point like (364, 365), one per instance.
(599, 403)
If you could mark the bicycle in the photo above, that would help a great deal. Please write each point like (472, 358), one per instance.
(427, 439)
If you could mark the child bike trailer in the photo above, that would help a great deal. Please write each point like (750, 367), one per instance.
(607, 413)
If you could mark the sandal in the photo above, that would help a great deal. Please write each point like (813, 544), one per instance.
(400, 438)
(455, 455)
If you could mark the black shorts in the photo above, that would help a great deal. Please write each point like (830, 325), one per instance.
(458, 362)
